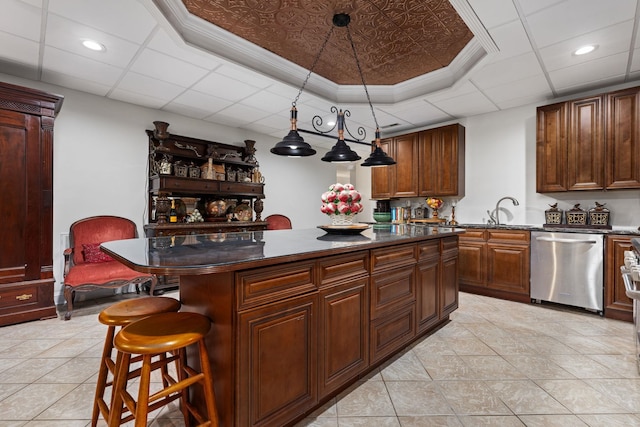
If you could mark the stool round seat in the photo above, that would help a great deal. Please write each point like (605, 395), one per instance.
(166, 335)
(124, 312)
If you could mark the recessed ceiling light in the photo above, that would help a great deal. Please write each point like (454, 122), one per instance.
(94, 45)
(585, 49)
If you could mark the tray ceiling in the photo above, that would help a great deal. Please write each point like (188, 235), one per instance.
(395, 40)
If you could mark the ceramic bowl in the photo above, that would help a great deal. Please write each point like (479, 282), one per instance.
(382, 216)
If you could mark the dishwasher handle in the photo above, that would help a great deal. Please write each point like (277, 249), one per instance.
(556, 240)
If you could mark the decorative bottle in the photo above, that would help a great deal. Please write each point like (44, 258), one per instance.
(173, 214)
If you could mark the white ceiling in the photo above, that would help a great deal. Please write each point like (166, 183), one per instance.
(526, 58)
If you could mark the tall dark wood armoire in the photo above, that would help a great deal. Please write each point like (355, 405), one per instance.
(26, 203)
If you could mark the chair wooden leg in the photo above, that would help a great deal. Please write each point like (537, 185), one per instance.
(103, 373)
(154, 282)
(119, 386)
(69, 294)
(142, 405)
(209, 394)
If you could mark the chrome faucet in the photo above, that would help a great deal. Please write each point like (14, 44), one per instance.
(496, 219)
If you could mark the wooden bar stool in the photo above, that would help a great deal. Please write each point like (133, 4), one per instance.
(117, 316)
(163, 333)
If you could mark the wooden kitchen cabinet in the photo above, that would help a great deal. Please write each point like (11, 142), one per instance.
(590, 143)
(428, 163)
(343, 330)
(495, 263)
(436, 282)
(26, 172)
(623, 139)
(617, 305)
(441, 162)
(278, 351)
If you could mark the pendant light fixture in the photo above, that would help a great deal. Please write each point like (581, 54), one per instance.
(294, 145)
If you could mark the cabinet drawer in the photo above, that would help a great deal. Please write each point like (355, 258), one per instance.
(391, 332)
(240, 187)
(450, 247)
(393, 257)
(18, 296)
(265, 285)
(473, 234)
(512, 236)
(429, 250)
(343, 267)
(392, 289)
(178, 184)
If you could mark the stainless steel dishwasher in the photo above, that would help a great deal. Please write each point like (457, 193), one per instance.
(567, 268)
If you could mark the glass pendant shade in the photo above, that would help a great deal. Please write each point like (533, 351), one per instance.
(341, 153)
(378, 158)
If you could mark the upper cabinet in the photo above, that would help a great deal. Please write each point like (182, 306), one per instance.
(589, 143)
(428, 163)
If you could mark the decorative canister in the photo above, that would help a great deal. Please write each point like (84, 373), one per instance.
(341, 219)
(180, 169)
(207, 170)
(576, 216)
(194, 171)
(419, 212)
(165, 166)
(553, 215)
(599, 215)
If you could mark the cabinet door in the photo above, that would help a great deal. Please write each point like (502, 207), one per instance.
(623, 139)
(404, 182)
(508, 267)
(381, 176)
(586, 144)
(449, 277)
(472, 262)
(343, 334)
(427, 152)
(441, 161)
(551, 148)
(616, 303)
(277, 369)
(427, 293)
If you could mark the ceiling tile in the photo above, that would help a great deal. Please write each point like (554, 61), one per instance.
(148, 86)
(74, 82)
(635, 63)
(224, 87)
(267, 101)
(528, 7)
(75, 65)
(137, 98)
(244, 75)
(511, 39)
(466, 105)
(68, 35)
(167, 68)
(589, 73)
(19, 49)
(551, 25)
(201, 101)
(126, 19)
(506, 71)
(242, 113)
(416, 112)
(163, 42)
(611, 40)
(524, 88)
(494, 12)
(21, 19)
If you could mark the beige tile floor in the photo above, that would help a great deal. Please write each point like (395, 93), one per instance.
(497, 363)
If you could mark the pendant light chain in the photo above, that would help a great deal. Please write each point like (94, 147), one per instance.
(313, 66)
(353, 47)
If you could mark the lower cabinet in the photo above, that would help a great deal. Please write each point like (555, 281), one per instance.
(495, 263)
(285, 338)
(617, 305)
(277, 361)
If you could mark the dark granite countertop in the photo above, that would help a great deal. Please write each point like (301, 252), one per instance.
(222, 252)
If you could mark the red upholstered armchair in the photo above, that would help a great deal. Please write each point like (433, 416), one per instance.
(87, 268)
(278, 222)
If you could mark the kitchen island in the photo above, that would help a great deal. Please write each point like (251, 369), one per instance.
(298, 315)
